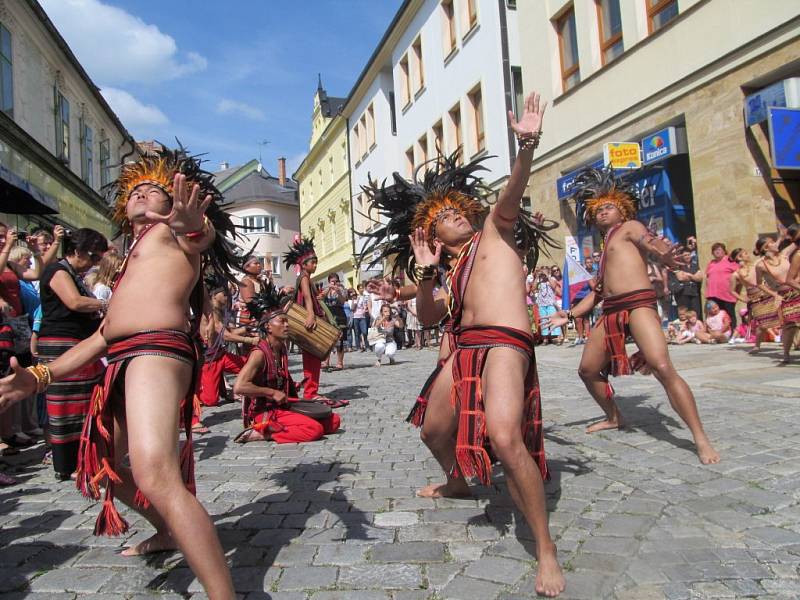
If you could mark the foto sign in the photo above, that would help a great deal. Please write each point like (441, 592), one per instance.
(659, 145)
(622, 155)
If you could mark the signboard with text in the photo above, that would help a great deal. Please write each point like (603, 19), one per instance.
(659, 145)
(622, 155)
(564, 184)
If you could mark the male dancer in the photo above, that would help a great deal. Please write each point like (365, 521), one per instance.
(491, 371)
(152, 363)
(629, 305)
(267, 386)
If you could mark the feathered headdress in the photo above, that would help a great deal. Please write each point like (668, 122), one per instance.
(300, 250)
(444, 186)
(594, 187)
(159, 167)
(267, 304)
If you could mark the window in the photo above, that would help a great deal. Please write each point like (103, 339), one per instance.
(87, 154)
(344, 155)
(455, 128)
(62, 126)
(448, 27)
(512, 4)
(568, 45)
(517, 93)
(419, 70)
(392, 114)
(660, 12)
(362, 137)
(422, 150)
(405, 81)
(276, 265)
(357, 141)
(410, 162)
(476, 108)
(370, 126)
(610, 26)
(438, 139)
(6, 73)
(105, 162)
(469, 15)
(330, 166)
(260, 224)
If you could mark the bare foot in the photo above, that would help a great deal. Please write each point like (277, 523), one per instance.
(754, 350)
(707, 454)
(549, 579)
(455, 488)
(605, 424)
(160, 542)
(200, 429)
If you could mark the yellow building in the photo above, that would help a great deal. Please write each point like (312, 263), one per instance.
(324, 185)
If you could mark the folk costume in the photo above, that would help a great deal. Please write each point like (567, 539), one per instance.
(262, 414)
(96, 460)
(446, 187)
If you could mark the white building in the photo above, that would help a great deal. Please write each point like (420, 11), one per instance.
(444, 75)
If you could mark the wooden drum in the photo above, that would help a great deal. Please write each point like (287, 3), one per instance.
(318, 342)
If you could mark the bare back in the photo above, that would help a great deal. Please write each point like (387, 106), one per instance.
(625, 264)
(495, 293)
(154, 291)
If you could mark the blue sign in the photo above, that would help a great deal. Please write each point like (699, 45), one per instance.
(659, 145)
(784, 137)
(756, 105)
(564, 184)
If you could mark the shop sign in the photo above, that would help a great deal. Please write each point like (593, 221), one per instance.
(784, 137)
(564, 184)
(659, 145)
(782, 94)
(622, 155)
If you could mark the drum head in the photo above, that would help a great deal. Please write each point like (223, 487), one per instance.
(310, 408)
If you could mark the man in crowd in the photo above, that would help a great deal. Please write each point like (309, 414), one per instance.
(130, 440)
(629, 305)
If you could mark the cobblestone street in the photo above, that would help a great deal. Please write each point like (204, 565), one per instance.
(634, 514)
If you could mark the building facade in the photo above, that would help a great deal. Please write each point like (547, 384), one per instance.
(266, 211)
(323, 179)
(678, 78)
(443, 77)
(60, 142)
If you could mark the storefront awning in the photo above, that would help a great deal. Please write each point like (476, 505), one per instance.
(19, 197)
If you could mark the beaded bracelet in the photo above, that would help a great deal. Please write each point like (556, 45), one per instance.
(529, 141)
(424, 272)
(43, 377)
(193, 235)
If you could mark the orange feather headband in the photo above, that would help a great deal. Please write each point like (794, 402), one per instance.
(430, 210)
(620, 199)
(152, 170)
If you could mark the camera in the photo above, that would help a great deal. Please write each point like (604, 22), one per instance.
(22, 234)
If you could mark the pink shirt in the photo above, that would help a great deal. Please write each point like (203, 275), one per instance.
(718, 279)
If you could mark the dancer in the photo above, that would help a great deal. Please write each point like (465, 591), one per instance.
(491, 370)
(762, 301)
(629, 305)
(267, 386)
(773, 269)
(169, 204)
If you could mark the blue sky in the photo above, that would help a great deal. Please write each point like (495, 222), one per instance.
(222, 76)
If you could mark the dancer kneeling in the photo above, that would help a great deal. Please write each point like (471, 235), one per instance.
(268, 388)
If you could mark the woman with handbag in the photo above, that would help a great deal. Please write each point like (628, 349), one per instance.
(70, 314)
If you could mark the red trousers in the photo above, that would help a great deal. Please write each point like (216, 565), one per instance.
(293, 427)
(311, 368)
(211, 384)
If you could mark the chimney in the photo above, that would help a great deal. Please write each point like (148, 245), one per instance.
(224, 165)
(282, 171)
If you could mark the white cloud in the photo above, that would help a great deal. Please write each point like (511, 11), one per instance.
(134, 114)
(116, 47)
(227, 106)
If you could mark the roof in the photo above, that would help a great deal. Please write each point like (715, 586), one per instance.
(260, 186)
(330, 106)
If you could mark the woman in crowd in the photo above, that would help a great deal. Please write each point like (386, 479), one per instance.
(546, 302)
(104, 277)
(334, 298)
(361, 318)
(719, 271)
(70, 314)
(385, 324)
(413, 325)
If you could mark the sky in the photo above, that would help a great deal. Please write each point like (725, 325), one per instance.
(230, 78)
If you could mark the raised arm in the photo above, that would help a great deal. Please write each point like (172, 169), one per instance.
(51, 254)
(431, 305)
(528, 130)
(192, 229)
(660, 250)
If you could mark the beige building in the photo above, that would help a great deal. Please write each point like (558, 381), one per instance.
(265, 209)
(324, 183)
(687, 80)
(59, 139)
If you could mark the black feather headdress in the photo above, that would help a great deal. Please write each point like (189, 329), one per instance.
(301, 250)
(594, 187)
(267, 304)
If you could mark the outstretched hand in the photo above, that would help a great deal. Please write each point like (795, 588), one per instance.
(187, 211)
(383, 288)
(422, 250)
(13, 388)
(555, 320)
(530, 123)
(673, 259)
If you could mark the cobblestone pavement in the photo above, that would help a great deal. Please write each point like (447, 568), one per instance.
(634, 513)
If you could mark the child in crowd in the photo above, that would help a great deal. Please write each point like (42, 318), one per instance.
(691, 328)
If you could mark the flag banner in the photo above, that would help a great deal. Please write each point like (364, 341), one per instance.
(575, 277)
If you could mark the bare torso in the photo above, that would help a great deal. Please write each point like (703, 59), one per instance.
(625, 264)
(154, 291)
(774, 275)
(496, 290)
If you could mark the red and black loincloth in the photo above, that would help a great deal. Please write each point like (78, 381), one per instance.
(616, 318)
(96, 457)
(472, 347)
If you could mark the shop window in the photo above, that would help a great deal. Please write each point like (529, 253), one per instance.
(105, 162)
(476, 110)
(660, 12)
(62, 126)
(448, 27)
(517, 93)
(609, 24)
(87, 154)
(568, 47)
(410, 162)
(405, 81)
(454, 115)
(438, 139)
(419, 69)
(6, 73)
